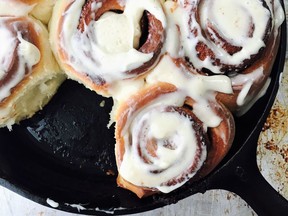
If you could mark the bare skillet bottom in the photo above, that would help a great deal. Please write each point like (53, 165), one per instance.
(66, 153)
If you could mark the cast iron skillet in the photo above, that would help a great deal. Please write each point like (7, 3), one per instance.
(66, 153)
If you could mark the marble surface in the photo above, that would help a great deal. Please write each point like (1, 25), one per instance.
(214, 202)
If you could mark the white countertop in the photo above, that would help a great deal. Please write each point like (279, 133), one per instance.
(214, 202)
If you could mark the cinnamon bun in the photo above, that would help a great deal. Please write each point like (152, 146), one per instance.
(99, 42)
(161, 143)
(29, 74)
(236, 38)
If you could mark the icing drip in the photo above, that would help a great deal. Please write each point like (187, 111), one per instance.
(200, 88)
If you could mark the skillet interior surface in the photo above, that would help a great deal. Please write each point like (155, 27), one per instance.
(66, 152)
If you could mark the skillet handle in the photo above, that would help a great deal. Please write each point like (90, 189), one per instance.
(242, 176)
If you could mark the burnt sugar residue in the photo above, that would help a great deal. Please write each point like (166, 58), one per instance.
(272, 152)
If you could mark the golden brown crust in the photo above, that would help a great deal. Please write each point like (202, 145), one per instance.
(141, 192)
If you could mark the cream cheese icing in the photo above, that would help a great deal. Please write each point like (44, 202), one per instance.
(200, 88)
(153, 123)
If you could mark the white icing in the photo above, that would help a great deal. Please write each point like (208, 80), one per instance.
(241, 79)
(227, 23)
(114, 34)
(279, 15)
(173, 99)
(102, 103)
(108, 211)
(200, 88)
(245, 82)
(28, 56)
(93, 53)
(251, 101)
(7, 50)
(96, 5)
(153, 123)
(79, 207)
(120, 90)
(174, 39)
(29, 52)
(52, 203)
(244, 93)
(229, 17)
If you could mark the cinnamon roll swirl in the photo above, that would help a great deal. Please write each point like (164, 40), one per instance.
(236, 38)
(29, 74)
(161, 143)
(100, 42)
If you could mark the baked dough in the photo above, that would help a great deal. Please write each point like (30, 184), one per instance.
(30, 75)
(99, 43)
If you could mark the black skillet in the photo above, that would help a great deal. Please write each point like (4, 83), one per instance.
(66, 153)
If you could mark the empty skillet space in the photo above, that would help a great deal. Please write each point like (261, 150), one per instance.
(73, 128)
(66, 150)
